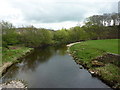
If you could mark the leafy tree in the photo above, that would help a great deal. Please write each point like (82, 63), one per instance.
(9, 35)
(61, 36)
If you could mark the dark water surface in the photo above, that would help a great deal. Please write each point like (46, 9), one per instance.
(52, 67)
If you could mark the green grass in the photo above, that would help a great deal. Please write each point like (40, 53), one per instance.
(87, 51)
(110, 45)
(110, 72)
(11, 55)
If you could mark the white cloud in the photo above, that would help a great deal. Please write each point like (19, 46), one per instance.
(56, 26)
(53, 14)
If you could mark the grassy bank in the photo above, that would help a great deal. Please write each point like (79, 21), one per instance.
(101, 59)
(11, 56)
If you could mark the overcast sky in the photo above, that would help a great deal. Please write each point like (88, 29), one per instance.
(53, 14)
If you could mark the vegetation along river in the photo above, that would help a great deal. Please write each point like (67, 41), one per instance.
(52, 67)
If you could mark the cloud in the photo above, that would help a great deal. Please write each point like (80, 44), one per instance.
(49, 12)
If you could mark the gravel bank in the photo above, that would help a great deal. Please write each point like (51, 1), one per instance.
(13, 84)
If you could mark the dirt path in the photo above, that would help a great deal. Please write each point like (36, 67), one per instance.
(69, 45)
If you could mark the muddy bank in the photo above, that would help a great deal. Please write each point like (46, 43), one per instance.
(100, 71)
(4, 67)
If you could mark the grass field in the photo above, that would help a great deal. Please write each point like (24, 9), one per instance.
(11, 55)
(110, 45)
(91, 49)
(88, 52)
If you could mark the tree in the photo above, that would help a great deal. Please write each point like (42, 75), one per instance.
(9, 35)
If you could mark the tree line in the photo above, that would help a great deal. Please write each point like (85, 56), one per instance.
(96, 27)
(107, 19)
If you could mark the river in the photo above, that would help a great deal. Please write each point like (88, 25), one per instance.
(52, 67)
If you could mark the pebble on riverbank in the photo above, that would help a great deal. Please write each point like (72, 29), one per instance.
(13, 84)
(96, 63)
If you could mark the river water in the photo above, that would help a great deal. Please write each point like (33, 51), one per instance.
(52, 67)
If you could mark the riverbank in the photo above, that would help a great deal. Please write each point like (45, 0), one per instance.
(11, 56)
(100, 57)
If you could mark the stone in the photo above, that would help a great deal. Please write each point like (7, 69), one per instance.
(97, 63)
(81, 67)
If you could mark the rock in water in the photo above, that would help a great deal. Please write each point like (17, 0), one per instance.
(81, 67)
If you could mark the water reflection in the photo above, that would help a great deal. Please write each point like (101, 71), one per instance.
(33, 60)
(52, 67)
